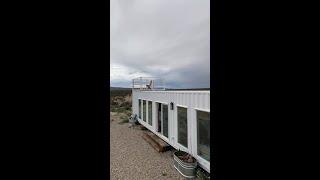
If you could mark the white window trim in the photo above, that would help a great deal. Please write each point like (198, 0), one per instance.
(163, 137)
(183, 106)
(161, 133)
(206, 164)
(162, 121)
(142, 111)
(148, 113)
(200, 109)
(182, 147)
(139, 109)
(200, 159)
(162, 102)
(157, 117)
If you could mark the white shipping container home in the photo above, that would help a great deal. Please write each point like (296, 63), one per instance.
(179, 117)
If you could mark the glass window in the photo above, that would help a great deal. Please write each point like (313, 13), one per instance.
(203, 134)
(165, 120)
(158, 107)
(139, 108)
(150, 112)
(144, 111)
(182, 126)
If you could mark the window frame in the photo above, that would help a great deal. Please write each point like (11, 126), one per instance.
(139, 108)
(162, 127)
(201, 159)
(160, 134)
(181, 146)
(150, 115)
(144, 109)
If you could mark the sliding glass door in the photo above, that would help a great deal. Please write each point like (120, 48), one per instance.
(144, 111)
(159, 117)
(162, 119)
(139, 108)
(165, 120)
(182, 121)
(150, 113)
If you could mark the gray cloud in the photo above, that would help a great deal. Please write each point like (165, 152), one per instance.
(166, 38)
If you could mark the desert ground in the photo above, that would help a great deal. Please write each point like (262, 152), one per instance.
(132, 157)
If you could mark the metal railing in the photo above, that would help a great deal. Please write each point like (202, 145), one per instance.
(148, 83)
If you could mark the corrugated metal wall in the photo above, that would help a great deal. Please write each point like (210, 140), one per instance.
(193, 100)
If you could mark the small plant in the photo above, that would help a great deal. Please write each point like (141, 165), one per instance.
(185, 156)
(202, 174)
(128, 113)
(180, 153)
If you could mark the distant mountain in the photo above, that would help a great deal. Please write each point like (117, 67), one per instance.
(119, 91)
(171, 89)
(118, 88)
(189, 89)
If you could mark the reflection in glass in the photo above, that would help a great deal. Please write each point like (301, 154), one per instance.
(203, 134)
(165, 120)
(182, 126)
(144, 110)
(150, 113)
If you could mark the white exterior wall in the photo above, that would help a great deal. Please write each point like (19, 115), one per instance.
(192, 100)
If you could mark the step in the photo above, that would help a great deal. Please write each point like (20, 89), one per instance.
(151, 142)
(156, 142)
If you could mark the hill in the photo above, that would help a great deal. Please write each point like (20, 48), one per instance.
(119, 91)
(119, 88)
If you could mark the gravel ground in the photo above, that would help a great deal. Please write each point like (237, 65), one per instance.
(133, 158)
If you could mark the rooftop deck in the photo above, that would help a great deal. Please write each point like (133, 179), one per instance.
(148, 83)
(157, 84)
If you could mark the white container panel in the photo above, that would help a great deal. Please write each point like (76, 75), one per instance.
(191, 99)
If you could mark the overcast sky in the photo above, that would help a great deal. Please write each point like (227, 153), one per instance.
(163, 38)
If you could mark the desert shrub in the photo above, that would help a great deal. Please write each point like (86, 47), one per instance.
(112, 109)
(124, 92)
(121, 109)
(126, 104)
(113, 103)
(118, 102)
(124, 119)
